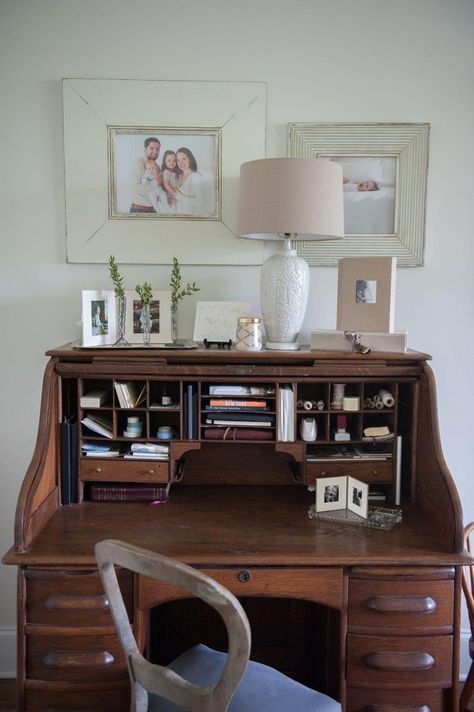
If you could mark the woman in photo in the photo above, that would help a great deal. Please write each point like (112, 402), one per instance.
(190, 192)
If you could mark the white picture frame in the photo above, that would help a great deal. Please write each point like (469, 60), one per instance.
(217, 321)
(398, 152)
(357, 497)
(160, 311)
(234, 110)
(99, 323)
(331, 493)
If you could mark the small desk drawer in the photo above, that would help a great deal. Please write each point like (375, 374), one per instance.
(415, 606)
(377, 700)
(367, 472)
(71, 598)
(412, 661)
(321, 584)
(79, 658)
(123, 470)
(80, 700)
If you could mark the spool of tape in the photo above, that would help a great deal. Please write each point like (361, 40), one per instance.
(308, 405)
(387, 399)
(351, 403)
(379, 405)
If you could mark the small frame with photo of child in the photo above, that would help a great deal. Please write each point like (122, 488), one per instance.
(338, 493)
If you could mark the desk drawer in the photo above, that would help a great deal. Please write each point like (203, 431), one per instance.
(79, 658)
(86, 700)
(71, 598)
(367, 472)
(373, 700)
(321, 584)
(123, 471)
(414, 606)
(416, 661)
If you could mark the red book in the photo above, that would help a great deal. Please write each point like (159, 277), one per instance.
(127, 493)
(236, 403)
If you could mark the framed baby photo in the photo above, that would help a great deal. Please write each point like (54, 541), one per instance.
(357, 496)
(98, 317)
(385, 169)
(331, 493)
(160, 313)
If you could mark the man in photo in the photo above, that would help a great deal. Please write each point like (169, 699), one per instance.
(148, 194)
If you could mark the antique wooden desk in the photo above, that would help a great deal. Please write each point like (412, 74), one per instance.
(371, 617)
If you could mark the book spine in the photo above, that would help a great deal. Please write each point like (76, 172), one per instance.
(125, 494)
(234, 403)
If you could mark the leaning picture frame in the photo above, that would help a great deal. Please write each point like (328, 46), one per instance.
(385, 167)
(357, 497)
(160, 313)
(107, 121)
(331, 493)
(99, 324)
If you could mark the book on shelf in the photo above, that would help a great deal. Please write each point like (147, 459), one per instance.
(150, 448)
(146, 456)
(238, 416)
(128, 394)
(102, 453)
(126, 493)
(69, 435)
(286, 421)
(235, 403)
(376, 494)
(238, 390)
(240, 433)
(377, 431)
(240, 423)
(98, 424)
(93, 399)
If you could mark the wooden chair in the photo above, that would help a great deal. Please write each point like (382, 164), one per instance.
(468, 588)
(201, 679)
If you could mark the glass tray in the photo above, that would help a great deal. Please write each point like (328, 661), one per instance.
(378, 517)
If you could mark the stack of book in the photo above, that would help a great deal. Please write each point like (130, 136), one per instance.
(98, 424)
(147, 451)
(128, 394)
(100, 450)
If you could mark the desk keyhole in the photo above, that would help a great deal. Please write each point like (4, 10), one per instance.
(244, 576)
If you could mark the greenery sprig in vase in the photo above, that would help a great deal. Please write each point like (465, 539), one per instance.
(177, 293)
(145, 293)
(119, 290)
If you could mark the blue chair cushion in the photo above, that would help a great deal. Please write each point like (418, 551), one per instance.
(262, 688)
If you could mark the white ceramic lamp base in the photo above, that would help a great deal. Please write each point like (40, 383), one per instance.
(284, 288)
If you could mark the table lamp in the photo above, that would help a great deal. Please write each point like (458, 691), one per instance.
(288, 199)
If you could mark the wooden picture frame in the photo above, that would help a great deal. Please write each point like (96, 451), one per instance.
(160, 312)
(99, 323)
(233, 112)
(366, 294)
(389, 220)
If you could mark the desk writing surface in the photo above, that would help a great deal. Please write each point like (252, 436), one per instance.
(266, 526)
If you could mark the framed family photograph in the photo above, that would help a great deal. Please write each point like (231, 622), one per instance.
(384, 187)
(152, 169)
(331, 493)
(158, 173)
(98, 317)
(160, 312)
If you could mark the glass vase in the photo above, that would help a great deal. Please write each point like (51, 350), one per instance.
(174, 323)
(145, 319)
(121, 314)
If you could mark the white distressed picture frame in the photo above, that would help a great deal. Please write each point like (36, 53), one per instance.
(99, 323)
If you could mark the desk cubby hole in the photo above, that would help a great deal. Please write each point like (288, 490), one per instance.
(164, 395)
(349, 390)
(160, 418)
(322, 434)
(122, 423)
(87, 385)
(316, 394)
(372, 394)
(130, 393)
(344, 420)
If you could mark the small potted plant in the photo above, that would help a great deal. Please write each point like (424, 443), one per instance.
(177, 293)
(145, 293)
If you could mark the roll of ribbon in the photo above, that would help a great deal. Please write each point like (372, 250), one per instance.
(386, 397)
(308, 405)
(351, 403)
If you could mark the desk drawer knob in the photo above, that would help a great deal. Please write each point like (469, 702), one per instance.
(389, 661)
(69, 602)
(244, 576)
(408, 605)
(98, 469)
(150, 472)
(78, 659)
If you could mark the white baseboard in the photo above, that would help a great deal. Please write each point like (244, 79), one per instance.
(8, 653)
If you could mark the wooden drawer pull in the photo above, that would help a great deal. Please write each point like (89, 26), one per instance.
(64, 602)
(409, 605)
(382, 660)
(89, 659)
(397, 708)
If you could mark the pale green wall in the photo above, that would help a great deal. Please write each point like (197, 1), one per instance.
(323, 60)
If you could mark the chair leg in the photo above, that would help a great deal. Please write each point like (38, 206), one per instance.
(467, 691)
